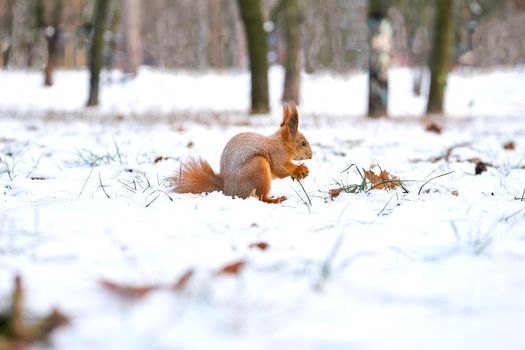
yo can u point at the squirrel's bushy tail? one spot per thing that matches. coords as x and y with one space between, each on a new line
196 176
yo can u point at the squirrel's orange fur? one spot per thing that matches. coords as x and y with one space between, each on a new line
249 162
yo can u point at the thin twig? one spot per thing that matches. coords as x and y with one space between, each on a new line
306 194
433 178
301 198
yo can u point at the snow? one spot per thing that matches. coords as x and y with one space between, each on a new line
384 269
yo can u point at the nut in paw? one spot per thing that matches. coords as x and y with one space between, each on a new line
301 172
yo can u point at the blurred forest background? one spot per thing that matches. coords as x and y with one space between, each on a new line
336 36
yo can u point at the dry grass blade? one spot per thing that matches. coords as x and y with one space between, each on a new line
102 185
522 196
433 178
160 192
85 182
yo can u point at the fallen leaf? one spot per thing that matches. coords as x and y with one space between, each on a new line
183 280
334 193
160 159
19 332
233 268
455 193
127 291
509 146
384 180
190 144
433 127
259 245
480 167
44 327
18 324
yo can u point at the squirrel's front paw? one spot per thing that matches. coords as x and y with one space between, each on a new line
301 172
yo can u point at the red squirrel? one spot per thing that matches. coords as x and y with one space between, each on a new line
249 162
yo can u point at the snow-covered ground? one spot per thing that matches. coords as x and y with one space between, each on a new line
83 199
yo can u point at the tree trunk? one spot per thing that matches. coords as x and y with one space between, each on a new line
252 17
379 39
16 53
97 46
131 35
440 55
293 17
6 43
52 34
214 36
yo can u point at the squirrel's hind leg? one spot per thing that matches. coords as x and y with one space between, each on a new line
260 175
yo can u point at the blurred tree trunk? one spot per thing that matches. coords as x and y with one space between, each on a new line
16 49
97 46
379 39
252 17
52 35
293 17
131 35
440 55
214 35
416 18
6 43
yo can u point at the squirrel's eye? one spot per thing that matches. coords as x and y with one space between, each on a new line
303 143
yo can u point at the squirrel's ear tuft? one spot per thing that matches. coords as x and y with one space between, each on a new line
290 118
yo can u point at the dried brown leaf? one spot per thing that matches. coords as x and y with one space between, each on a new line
334 193
233 268
433 127
455 193
509 146
127 291
18 324
159 159
183 280
44 327
481 167
19 332
259 245
384 180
